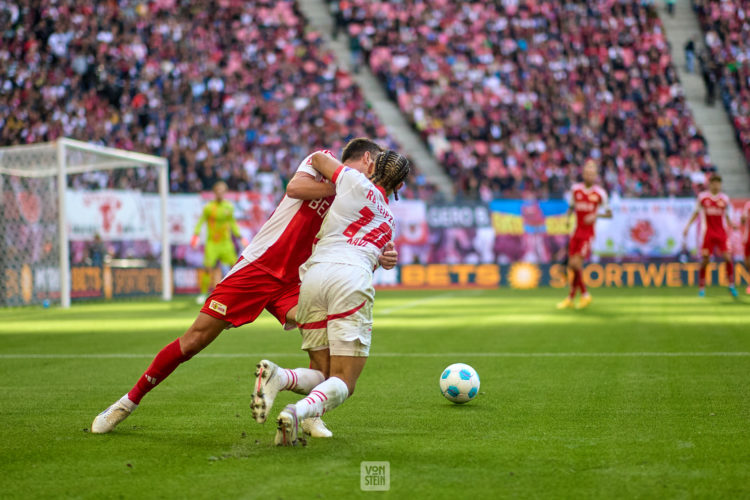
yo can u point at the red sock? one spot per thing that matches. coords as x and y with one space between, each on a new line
574 284
581 284
730 272
163 364
702 276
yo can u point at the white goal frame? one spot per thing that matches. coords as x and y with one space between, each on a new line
99 158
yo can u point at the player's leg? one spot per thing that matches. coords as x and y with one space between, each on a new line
586 299
270 378
349 331
747 264
238 300
575 265
210 261
202 332
729 265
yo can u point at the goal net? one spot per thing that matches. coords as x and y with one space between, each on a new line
81 221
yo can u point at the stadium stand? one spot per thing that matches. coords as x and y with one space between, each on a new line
229 90
726 60
513 96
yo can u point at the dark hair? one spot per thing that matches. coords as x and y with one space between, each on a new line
714 177
356 148
390 170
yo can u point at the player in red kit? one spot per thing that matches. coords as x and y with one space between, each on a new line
745 222
265 277
589 202
713 208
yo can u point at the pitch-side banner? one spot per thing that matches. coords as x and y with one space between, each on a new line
130 215
645 229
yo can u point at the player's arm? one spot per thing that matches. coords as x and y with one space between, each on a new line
324 164
197 232
690 222
389 257
303 186
728 218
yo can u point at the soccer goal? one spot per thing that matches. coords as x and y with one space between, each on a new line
81 220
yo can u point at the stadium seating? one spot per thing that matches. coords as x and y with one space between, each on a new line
513 96
230 90
727 59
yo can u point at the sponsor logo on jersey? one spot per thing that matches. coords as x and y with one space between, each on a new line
594 197
218 307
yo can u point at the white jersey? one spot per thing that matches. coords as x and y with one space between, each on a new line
286 239
358 225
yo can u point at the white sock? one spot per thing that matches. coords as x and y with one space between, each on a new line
324 397
125 400
300 380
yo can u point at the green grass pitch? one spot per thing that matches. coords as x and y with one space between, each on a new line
646 394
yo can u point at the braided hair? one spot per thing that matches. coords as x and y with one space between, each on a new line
390 170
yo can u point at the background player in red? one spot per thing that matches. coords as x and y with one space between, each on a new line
713 208
265 277
586 200
745 223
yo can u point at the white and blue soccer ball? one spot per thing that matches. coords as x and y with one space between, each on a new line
459 383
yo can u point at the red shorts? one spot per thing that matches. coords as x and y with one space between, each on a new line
580 245
747 248
243 294
713 241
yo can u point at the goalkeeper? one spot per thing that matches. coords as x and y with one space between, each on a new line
218 215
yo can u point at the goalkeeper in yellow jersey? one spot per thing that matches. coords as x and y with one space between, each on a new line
218 215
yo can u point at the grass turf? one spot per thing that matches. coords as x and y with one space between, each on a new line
572 403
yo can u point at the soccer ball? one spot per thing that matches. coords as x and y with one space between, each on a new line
459 383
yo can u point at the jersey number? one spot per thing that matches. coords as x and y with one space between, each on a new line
378 236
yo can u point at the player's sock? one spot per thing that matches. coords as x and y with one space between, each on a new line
730 272
581 284
300 380
702 277
205 282
163 364
574 285
324 397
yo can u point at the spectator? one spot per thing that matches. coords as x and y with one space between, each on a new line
512 97
213 86
690 55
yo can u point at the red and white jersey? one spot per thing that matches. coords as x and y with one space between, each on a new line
357 226
586 201
746 214
713 211
286 239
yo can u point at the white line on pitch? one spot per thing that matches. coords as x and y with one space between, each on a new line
740 354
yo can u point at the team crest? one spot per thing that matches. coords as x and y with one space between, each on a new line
218 307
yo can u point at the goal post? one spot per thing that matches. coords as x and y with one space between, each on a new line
34 184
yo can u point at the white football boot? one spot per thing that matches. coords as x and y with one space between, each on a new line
315 427
288 427
267 386
107 420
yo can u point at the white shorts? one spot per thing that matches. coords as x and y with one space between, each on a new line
335 309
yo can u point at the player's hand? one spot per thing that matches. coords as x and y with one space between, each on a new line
194 241
389 258
245 242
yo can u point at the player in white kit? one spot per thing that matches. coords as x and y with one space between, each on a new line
336 296
265 277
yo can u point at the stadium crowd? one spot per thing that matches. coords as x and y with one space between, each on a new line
513 96
226 90
726 60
